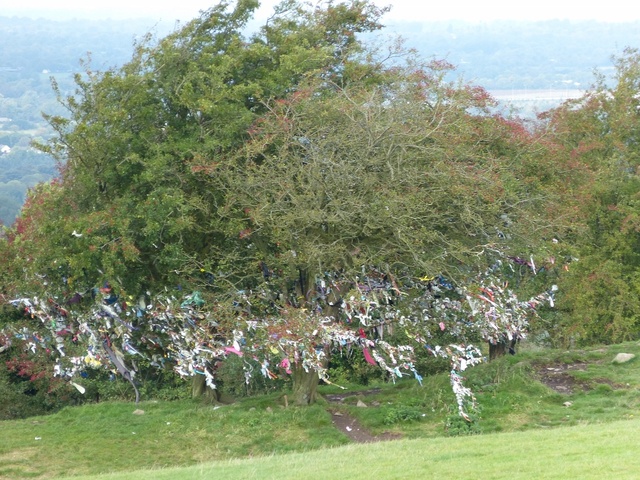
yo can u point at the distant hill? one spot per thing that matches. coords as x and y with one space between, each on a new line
31 52
30 46
554 54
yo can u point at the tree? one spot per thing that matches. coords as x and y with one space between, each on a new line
410 175
134 210
133 134
301 182
600 131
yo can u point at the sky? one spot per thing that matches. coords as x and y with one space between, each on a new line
416 10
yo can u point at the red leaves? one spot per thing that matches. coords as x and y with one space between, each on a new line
26 368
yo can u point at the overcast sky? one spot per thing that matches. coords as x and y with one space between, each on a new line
420 10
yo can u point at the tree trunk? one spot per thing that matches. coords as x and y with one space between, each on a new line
302 286
305 386
501 348
199 389
497 350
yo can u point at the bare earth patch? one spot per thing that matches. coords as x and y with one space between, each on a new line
349 425
558 377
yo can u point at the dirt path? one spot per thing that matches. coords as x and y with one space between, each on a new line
349 425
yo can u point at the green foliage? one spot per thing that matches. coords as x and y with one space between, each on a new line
601 302
368 186
599 293
350 367
178 161
139 141
233 381
254 168
401 413
27 387
13 401
456 426
104 385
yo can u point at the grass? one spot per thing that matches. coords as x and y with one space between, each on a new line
584 452
518 415
109 437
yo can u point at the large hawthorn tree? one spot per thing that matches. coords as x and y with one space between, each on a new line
284 174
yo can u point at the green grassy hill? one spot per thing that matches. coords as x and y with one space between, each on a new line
581 452
583 427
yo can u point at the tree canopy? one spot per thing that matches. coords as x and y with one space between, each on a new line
599 134
316 192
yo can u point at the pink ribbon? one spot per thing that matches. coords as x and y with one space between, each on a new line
368 357
232 350
286 364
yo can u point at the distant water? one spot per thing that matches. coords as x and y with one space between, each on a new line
530 102
557 95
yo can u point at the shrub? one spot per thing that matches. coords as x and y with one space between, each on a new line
456 426
402 413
